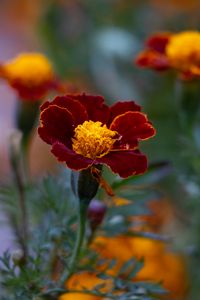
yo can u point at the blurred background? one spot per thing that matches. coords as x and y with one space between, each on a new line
92 45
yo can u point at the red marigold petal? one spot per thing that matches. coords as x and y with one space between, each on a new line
73 160
159 41
45 105
96 108
57 124
31 93
153 60
125 163
132 126
77 110
120 108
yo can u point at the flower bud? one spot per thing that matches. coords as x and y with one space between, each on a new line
26 116
17 257
96 212
84 185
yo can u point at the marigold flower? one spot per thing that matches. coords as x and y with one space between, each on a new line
160 264
31 74
85 132
180 52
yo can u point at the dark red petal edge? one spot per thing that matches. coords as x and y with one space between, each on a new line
132 126
121 107
77 110
125 163
96 108
73 160
56 125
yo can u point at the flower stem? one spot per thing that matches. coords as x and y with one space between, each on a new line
22 205
78 244
25 161
15 150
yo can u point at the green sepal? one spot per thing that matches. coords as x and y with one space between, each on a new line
26 115
84 185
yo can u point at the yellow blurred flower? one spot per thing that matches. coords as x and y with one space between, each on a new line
183 51
30 68
31 74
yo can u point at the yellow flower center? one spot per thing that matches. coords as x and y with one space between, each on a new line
183 51
92 139
31 69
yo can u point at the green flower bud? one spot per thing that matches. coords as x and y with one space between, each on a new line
84 185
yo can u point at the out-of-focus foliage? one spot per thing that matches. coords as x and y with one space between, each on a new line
51 210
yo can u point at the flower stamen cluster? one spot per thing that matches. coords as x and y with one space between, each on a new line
93 139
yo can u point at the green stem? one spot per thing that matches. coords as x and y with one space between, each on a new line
187 95
25 160
78 244
26 115
23 209
15 150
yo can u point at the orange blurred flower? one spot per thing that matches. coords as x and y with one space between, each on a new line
180 52
85 280
31 74
161 212
160 264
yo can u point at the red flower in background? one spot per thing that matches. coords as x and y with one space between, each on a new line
154 56
180 51
85 132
